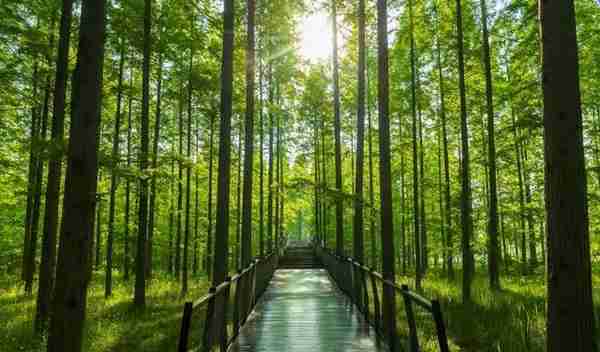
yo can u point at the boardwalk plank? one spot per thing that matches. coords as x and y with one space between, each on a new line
302 310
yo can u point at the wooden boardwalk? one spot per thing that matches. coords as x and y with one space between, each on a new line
303 311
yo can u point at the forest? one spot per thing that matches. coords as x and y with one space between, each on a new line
151 148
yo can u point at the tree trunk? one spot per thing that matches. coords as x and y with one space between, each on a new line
179 191
48 257
358 251
113 179
221 268
140 263
466 199
385 181
339 206
209 236
128 185
188 174
449 257
493 249
66 325
270 176
570 317
29 261
249 139
153 190
261 201
415 158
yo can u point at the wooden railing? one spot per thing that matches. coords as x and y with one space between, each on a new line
220 314
353 277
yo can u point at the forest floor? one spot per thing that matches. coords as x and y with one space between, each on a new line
510 320
111 325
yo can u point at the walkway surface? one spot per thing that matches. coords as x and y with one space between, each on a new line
303 311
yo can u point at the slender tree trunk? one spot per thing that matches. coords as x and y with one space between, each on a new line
385 181
188 174
113 178
128 185
196 205
529 212
415 159
371 186
37 187
270 176
358 251
570 314
493 249
261 201
179 193
152 210
48 258
249 140
171 212
466 198
66 325
339 206
220 268
209 236
29 261
238 213
140 263
448 245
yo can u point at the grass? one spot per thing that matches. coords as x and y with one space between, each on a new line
112 324
509 320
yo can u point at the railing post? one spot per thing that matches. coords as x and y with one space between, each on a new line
439 325
207 339
224 341
376 307
410 317
237 304
185 327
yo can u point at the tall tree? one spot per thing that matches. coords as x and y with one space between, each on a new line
188 169
570 314
415 159
221 267
153 190
493 249
385 179
113 179
360 137
249 138
465 196
68 313
48 259
139 298
339 206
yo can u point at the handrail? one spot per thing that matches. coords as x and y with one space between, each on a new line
248 284
353 283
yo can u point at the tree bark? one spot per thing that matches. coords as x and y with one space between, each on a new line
570 318
493 249
48 258
339 206
66 325
249 139
113 179
466 198
385 181
140 263
221 267
358 251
